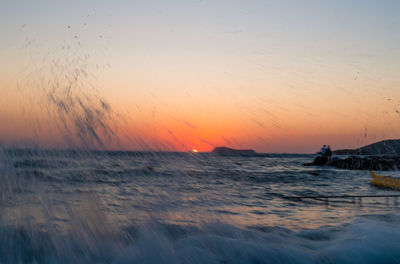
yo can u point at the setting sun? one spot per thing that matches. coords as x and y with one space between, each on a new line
194 150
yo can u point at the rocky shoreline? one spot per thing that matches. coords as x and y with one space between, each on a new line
382 163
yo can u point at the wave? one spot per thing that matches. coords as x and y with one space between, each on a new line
367 240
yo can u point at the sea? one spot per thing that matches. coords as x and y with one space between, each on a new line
75 206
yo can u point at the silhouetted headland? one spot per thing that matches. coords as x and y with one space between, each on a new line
384 147
230 151
382 155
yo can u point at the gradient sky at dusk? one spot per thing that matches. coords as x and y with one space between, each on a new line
276 76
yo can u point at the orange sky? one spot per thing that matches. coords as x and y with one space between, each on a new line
201 75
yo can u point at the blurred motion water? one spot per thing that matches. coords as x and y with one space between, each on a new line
79 78
76 206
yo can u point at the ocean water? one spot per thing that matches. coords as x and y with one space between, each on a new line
157 207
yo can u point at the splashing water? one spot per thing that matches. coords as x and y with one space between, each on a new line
88 205
64 87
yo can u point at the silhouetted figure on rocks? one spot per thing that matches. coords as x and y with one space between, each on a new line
328 152
323 158
323 150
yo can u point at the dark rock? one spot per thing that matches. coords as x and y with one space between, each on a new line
321 160
359 163
318 161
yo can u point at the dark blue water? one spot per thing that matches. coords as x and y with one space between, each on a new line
135 207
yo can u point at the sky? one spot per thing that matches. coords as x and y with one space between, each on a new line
274 76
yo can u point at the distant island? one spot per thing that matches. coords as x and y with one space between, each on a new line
230 151
384 147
